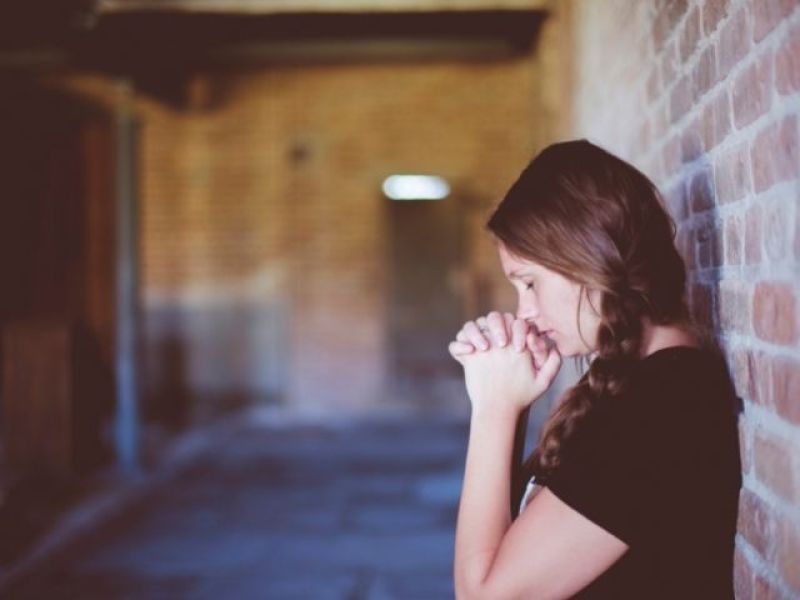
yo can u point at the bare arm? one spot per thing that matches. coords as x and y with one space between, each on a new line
550 551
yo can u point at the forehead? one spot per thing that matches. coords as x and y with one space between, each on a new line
514 265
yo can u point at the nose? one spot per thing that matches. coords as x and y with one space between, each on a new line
527 307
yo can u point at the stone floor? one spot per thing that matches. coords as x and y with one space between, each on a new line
357 509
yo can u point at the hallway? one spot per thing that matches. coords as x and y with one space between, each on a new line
356 509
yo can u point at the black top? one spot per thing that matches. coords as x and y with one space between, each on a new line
659 468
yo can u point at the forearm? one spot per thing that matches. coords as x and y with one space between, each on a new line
484 513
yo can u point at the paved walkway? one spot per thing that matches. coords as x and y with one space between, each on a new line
354 510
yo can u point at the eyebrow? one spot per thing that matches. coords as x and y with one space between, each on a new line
518 274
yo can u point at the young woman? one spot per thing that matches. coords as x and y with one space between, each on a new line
636 476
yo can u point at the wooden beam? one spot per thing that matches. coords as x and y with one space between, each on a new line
263 7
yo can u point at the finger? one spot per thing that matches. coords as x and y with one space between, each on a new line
550 367
483 326
519 330
475 336
509 321
461 336
497 328
537 352
459 349
462 347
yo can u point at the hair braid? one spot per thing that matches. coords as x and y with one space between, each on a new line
619 342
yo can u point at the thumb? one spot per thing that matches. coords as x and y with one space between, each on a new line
550 368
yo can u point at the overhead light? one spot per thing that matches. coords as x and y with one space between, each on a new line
415 187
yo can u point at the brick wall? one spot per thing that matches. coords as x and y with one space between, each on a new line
264 232
704 96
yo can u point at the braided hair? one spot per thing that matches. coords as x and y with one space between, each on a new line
580 211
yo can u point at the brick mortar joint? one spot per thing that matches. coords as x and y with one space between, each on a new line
761 566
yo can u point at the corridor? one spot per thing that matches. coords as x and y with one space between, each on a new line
284 508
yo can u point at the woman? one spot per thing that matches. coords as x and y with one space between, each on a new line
635 479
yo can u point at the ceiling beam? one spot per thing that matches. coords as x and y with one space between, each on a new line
264 7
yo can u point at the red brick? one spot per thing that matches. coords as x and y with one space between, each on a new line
680 100
713 12
768 13
734 41
722 117
707 126
765 589
745 446
734 315
774 312
785 393
776 223
788 558
706 71
701 304
752 91
751 374
692 142
669 65
661 29
732 174
755 522
742 576
653 85
672 155
772 458
675 200
675 9
752 235
661 121
690 34
775 154
787 63
709 251
701 190
734 234
740 370
645 137
684 241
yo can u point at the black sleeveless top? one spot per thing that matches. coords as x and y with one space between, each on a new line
659 468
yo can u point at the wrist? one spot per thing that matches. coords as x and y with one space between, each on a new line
496 414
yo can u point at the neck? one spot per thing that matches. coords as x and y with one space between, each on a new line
658 337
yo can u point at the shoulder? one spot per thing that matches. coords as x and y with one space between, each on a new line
686 376
663 390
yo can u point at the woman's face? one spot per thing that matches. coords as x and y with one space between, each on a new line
549 301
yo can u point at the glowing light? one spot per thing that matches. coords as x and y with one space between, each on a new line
415 187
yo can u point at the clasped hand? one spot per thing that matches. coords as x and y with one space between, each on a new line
507 365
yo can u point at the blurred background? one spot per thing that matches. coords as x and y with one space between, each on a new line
204 276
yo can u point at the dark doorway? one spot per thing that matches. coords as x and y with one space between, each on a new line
426 265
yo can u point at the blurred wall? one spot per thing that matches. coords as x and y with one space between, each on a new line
267 267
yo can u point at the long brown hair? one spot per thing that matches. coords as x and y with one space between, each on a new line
590 216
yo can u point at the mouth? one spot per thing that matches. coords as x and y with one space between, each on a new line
546 333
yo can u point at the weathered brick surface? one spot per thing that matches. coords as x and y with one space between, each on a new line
726 73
